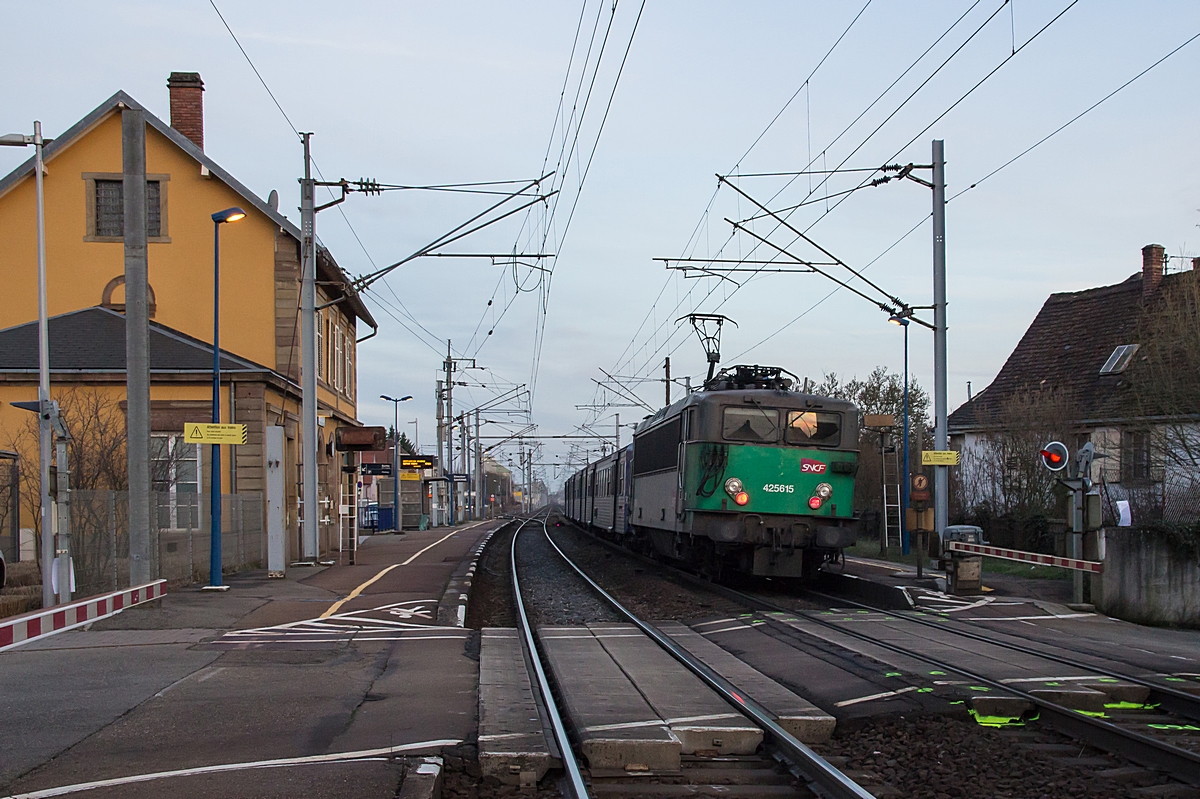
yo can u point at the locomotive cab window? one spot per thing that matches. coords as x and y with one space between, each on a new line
760 425
814 427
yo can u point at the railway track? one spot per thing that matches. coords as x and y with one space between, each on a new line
788 767
1160 732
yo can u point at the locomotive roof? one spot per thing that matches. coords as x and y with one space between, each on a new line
769 398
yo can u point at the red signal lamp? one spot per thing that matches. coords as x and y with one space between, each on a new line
741 497
814 503
1054 456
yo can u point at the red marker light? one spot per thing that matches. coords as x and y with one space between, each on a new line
814 503
741 498
1053 457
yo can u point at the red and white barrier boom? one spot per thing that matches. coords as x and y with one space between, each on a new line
17 630
1095 567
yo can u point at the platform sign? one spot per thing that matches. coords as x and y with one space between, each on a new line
416 462
939 457
377 469
205 433
409 474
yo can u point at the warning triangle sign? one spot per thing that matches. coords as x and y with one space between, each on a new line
193 432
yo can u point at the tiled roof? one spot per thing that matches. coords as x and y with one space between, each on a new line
93 340
1063 350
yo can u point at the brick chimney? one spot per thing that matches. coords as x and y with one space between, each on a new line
1152 269
187 106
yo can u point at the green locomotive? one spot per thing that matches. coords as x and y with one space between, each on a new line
747 475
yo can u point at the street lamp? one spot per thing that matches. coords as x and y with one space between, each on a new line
214 553
902 321
395 457
44 431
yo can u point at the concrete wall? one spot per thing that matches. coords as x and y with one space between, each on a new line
1145 582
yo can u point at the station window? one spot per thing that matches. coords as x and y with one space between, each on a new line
818 428
106 207
756 424
175 472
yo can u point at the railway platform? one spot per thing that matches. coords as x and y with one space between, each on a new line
339 680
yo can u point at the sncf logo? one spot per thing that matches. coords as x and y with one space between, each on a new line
809 466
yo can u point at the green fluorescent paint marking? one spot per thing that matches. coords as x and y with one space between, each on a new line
1093 713
924 690
983 688
1182 727
1107 679
1127 706
1052 683
862 611
995 721
1175 679
956 702
892 674
938 673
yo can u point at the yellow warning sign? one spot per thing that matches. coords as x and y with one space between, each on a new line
206 433
939 457
408 474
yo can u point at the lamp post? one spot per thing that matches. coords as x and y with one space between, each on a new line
395 457
44 432
902 321
214 552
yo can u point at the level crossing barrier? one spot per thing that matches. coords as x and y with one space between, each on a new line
1095 567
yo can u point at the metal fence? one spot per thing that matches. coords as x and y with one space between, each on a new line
179 541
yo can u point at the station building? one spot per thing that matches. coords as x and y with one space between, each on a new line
259 303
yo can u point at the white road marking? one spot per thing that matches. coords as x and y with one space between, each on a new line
363 754
872 697
1032 618
727 629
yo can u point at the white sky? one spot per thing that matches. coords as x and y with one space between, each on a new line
452 92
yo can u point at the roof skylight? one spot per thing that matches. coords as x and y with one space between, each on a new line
1119 360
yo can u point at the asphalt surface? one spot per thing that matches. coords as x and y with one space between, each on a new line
231 688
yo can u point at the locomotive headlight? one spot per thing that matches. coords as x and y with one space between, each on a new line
824 491
733 487
741 497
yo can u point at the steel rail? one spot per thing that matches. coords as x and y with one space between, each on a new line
1178 702
574 776
821 776
1181 764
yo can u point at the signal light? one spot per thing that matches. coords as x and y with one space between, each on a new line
814 503
741 498
1055 456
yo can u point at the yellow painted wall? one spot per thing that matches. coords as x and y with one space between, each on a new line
181 271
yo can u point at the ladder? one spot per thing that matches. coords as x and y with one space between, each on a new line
891 495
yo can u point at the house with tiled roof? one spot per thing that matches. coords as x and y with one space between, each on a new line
1083 362
259 307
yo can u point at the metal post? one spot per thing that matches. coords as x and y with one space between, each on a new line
941 439
308 359
667 379
618 426
466 469
396 466
44 431
904 477
62 540
214 512
1077 500
440 433
448 467
479 486
137 332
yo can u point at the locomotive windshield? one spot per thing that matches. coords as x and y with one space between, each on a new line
760 425
814 427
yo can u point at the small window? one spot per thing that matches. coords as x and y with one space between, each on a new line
1119 360
1136 464
175 471
751 424
110 209
814 427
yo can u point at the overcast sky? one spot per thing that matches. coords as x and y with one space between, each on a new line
427 93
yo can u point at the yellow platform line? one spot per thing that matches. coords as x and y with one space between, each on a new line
336 606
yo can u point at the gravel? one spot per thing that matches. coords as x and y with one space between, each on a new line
491 597
938 757
554 594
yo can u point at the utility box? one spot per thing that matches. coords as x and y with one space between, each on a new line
964 572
